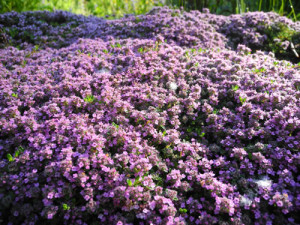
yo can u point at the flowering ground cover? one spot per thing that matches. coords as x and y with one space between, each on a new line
166 118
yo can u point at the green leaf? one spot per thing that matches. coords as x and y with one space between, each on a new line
162 127
182 210
136 181
14 95
9 157
259 70
235 87
141 50
118 45
250 155
89 99
24 62
66 207
129 182
21 149
115 125
201 50
242 100
17 153
186 54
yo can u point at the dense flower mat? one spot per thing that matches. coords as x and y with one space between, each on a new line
162 118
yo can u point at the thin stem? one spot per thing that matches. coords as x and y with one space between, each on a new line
293 11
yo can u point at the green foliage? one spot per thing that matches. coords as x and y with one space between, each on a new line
235 87
250 155
258 71
102 8
117 8
202 134
116 45
36 48
277 36
129 182
183 210
187 55
13 32
115 125
89 99
164 133
226 7
66 207
156 46
242 100
75 6
293 10
137 181
141 50
240 7
158 179
19 151
281 31
9 157
18 5
16 155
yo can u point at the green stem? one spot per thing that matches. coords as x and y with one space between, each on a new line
293 11
281 10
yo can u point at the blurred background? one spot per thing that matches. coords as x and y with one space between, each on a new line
117 8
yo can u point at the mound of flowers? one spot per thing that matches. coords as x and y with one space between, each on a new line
157 119
256 30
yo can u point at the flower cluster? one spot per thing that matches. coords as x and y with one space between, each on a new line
150 119
257 30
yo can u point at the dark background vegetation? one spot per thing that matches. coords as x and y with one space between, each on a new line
117 8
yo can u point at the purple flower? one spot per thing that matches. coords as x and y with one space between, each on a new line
171 117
